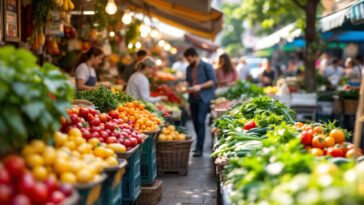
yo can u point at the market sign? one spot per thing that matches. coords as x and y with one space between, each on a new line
356 13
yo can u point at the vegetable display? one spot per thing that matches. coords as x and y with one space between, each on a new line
103 98
32 98
243 88
164 90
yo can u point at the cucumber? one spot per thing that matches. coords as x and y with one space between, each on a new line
339 160
258 130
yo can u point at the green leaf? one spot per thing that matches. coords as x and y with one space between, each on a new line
33 110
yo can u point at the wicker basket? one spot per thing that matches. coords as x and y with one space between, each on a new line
350 107
173 156
83 103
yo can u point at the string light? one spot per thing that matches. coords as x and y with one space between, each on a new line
167 47
111 7
138 45
127 18
161 43
112 34
158 62
144 30
130 45
174 51
154 33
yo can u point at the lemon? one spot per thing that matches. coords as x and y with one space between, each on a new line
109 152
74 133
68 178
117 148
61 166
34 160
40 173
70 145
49 156
85 175
38 146
60 139
169 138
28 150
74 166
100 152
162 137
112 161
98 167
79 141
84 149
94 142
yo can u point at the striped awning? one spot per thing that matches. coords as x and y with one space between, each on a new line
333 20
356 13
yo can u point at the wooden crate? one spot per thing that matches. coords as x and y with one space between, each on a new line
151 195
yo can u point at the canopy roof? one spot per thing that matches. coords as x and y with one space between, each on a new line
195 17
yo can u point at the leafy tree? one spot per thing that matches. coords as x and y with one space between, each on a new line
272 13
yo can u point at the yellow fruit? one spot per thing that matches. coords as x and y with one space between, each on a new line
79 141
100 152
68 178
74 166
98 166
94 142
71 5
172 128
49 156
169 138
60 139
40 173
117 148
112 161
34 160
85 175
84 149
70 145
38 146
109 152
61 166
74 133
182 137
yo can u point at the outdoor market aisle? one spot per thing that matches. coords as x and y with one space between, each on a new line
199 186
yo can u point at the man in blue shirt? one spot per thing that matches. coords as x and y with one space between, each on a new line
201 80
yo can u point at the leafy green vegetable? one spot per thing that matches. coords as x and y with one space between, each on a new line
267 119
103 98
349 95
240 88
32 98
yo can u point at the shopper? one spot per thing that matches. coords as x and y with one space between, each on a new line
85 68
180 67
201 78
292 69
243 69
130 69
353 72
138 85
334 73
226 73
268 75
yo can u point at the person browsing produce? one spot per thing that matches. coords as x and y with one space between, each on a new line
85 68
138 85
226 73
201 78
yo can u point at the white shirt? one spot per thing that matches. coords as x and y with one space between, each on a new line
334 74
138 87
83 72
243 71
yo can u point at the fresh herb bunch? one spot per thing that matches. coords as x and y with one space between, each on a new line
325 96
349 95
267 119
32 98
240 88
266 105
103 98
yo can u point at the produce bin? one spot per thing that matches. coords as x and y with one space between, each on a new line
173 156
111 188
148 161
151 195
90 194
131 185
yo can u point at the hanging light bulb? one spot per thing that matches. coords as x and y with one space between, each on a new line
154 33
158 62
167 47
111 7
138 45
112 34
144 30
130 45
161 43
127 18
174 51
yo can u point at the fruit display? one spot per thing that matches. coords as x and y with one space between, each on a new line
164 76
169 110
108 128
170 133
164 90
18 186
72 160
135 114
321 140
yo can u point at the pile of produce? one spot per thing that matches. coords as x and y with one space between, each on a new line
32 98
267 158
170 133
168 109
164 76
164 90
18 186
136 115
242 88
109 128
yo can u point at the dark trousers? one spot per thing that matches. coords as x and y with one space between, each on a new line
199 110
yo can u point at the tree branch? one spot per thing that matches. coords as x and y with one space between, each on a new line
299 4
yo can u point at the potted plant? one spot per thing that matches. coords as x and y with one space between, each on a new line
350 99
325 102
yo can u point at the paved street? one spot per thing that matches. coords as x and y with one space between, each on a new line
198 187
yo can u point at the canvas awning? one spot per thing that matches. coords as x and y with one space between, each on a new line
356 13
197 18
200 43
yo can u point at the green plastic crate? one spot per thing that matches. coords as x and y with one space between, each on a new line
112 186
148 162
90 194
131 185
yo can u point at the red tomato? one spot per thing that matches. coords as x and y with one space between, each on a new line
111 140
316 152
104 134
103 117
15 165
306 137
39 193
318 142
75 119
66 189
95 122
57 197
335 152
21 199
110 126
86 134
317 130
89 117
63 121
338 135
298 124
26 183
329 141
52 184
127 143
114 114
5 194
95 135
134 141
4 176
83 112
249 125
351 153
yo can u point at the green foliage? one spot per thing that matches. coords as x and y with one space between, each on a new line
243 88
32 98
132 34
349 95
103 19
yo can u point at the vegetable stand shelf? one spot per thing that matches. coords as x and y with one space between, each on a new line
90 194
148 161
111 188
